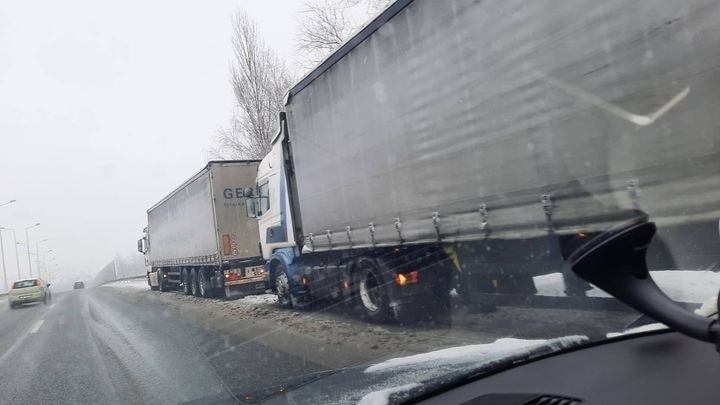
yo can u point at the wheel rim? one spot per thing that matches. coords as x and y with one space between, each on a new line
282 285
186 281
202 284
369 294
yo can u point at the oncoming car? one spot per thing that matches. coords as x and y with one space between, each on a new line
26 291
78 285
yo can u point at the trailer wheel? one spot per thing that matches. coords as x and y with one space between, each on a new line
282 286
187 288
203 282
161 284
372 293
194 282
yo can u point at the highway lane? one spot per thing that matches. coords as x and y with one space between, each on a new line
96 346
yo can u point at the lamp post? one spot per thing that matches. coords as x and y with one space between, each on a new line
2 250
37 254
27 239
44 264
2 253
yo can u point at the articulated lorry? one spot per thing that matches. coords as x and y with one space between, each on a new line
475 145
199 238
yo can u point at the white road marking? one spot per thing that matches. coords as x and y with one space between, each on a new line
37 326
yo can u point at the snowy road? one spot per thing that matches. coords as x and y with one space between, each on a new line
122 343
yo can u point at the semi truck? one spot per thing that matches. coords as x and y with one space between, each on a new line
475 145
198 238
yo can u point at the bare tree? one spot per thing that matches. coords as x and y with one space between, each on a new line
324 25
260 80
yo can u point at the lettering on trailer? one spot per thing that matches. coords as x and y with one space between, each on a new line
234 197
229 193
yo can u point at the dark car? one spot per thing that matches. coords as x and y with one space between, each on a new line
78 285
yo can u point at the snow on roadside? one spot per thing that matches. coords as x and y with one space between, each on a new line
262 299
473 354
135 284
382 397
551 285
693 286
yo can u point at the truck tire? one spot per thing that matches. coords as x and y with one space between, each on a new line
187 288
203 282
373 297
161 284
282 286
194 282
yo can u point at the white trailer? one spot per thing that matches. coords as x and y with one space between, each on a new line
198 238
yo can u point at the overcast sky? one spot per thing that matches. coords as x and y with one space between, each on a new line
105 107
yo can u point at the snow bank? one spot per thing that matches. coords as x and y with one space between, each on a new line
551 285
135 283
692 286
473 354
382 397
262 299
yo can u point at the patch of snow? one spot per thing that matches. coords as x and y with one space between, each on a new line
382 397
262 299
596 292
135 283
473 354
692 286
551 285
644 328
454 293
708 308
688 285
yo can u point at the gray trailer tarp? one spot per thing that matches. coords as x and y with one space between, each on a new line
461 120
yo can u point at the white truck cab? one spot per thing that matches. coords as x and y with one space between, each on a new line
271 203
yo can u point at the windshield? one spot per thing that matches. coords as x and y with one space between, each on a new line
26 283
340 201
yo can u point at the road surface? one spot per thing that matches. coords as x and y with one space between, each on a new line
132 345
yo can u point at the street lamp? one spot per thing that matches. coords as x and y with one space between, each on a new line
2 250
18 257
37 254
27 239
2 253
15 242
44 263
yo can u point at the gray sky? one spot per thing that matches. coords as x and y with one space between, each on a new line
105 107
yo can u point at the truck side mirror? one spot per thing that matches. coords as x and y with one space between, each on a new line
251 207
140 246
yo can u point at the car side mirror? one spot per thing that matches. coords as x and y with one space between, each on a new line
615 262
